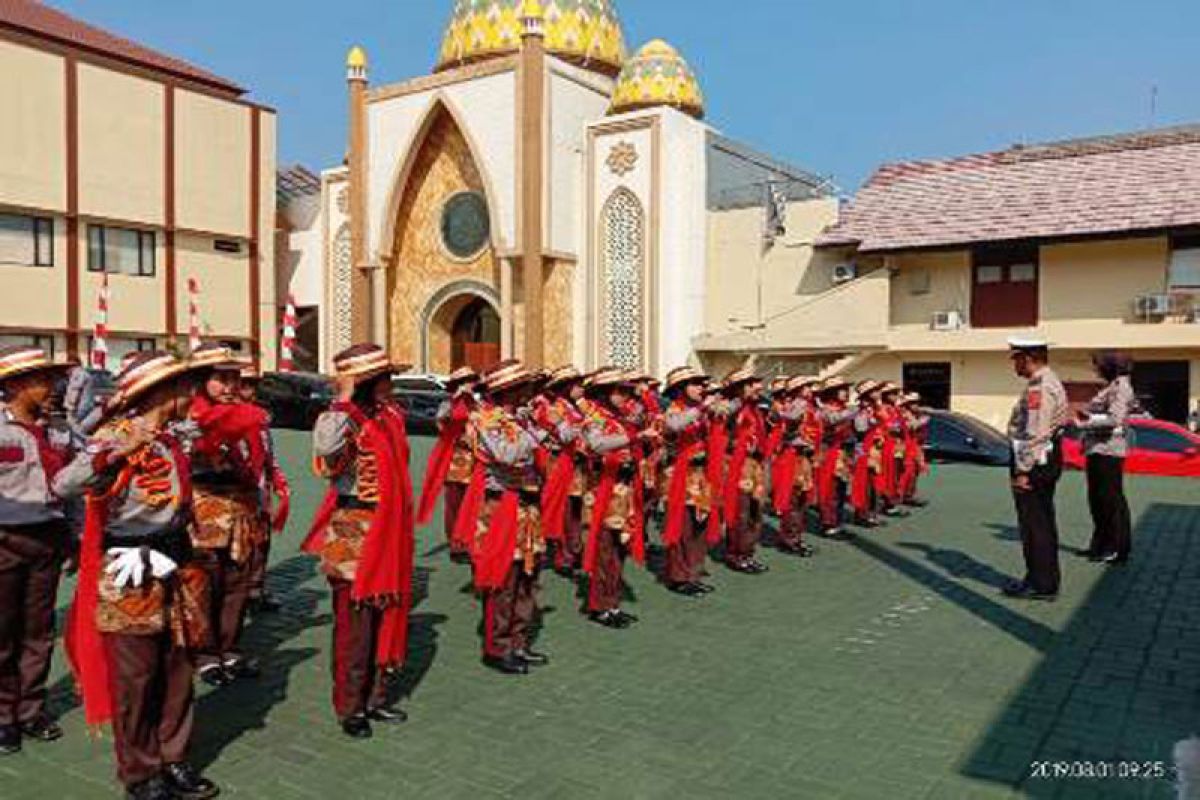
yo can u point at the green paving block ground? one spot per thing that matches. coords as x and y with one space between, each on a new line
887 667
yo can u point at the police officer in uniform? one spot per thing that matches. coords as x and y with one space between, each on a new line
1035 429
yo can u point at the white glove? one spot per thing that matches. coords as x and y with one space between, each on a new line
128 567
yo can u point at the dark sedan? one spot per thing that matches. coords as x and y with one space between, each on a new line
421 396
958 437
295 399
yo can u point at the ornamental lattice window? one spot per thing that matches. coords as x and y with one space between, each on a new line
624 247
343 305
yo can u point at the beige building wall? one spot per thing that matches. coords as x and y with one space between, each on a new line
739 264
928 283
121 146
269 314
33 163
224 296
35 297
1099 280
212 165
136 303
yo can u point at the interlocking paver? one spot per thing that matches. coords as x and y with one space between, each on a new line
886 667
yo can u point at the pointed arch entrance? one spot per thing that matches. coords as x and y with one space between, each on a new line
461 327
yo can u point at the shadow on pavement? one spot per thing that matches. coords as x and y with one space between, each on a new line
1121 683
958 564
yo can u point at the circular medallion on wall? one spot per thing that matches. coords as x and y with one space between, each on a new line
466 227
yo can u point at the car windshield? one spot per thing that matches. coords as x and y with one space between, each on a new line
1160 439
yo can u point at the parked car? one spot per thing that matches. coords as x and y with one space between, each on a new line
959 437
1155 448
421 396
295 399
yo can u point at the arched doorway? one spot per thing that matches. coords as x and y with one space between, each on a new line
475 336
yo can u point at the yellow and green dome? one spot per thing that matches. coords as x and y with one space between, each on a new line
658 76
585 32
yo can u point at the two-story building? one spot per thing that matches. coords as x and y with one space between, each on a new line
1090 243
117 159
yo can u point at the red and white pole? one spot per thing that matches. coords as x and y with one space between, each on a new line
99 359
194 340
287 343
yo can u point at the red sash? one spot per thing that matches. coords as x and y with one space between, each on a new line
439 463
556 495
493 558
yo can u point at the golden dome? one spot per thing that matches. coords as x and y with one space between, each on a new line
658 76
356 58
585 32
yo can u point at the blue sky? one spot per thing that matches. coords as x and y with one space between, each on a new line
836 86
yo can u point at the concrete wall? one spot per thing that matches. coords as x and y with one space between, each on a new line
121 146
573 102
33 164
212 165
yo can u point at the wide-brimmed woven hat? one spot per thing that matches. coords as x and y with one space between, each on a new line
460 376
24 360
610 376
739 377
867 387
563 376
145 371
506 375
890 388
247 369
684 375
911 398
799 382
778 383
833 384
362 362
215 356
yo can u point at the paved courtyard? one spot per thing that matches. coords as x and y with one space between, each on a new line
887 667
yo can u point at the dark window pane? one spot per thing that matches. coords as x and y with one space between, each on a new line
95 248
1160 440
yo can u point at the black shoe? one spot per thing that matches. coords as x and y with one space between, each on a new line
704 588
867 522
609 619
388 715
242 667
532 657
185 781
756 567
41 728
1020 590
833 533
806 551
685 589
916 502
10 740
508 665
215 675
357 727
894 511
626 617
153 789
265 603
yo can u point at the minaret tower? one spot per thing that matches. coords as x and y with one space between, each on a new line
361 300
533 153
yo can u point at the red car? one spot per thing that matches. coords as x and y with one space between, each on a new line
1155 448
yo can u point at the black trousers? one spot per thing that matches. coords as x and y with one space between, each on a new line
1039 524
1111 524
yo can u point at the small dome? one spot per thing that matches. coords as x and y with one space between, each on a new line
658 76
584 32
356 58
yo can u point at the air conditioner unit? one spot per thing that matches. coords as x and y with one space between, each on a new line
1153 305
844 273
946 321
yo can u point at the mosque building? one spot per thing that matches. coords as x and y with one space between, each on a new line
543 194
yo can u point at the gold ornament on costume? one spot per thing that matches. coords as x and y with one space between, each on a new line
622 159
658 76
585 32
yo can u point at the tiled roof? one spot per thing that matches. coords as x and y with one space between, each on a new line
1083 187
40 20
294 182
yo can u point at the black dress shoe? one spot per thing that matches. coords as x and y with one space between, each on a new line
10 740
242 667
806 551
685 589
756 567
609 619
916 502
895 511
388 715
185 781
357 727
867 522
153 789
1020 590
507 665
625 617
41 728
532 657
704 588
215 675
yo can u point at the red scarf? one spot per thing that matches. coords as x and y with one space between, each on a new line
441 458
83 640
604 493
677 494
718 444
749 431
384 577
493 557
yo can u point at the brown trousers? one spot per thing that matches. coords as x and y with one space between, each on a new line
229 584
259 560
685 561
509 612
604 589
30 563
569 552
359 685
744 529
151 684
453 494
793 523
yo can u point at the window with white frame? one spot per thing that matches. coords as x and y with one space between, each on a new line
121 251
26 241
623 250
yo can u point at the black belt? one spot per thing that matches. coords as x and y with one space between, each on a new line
176 544
348 503
527 497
